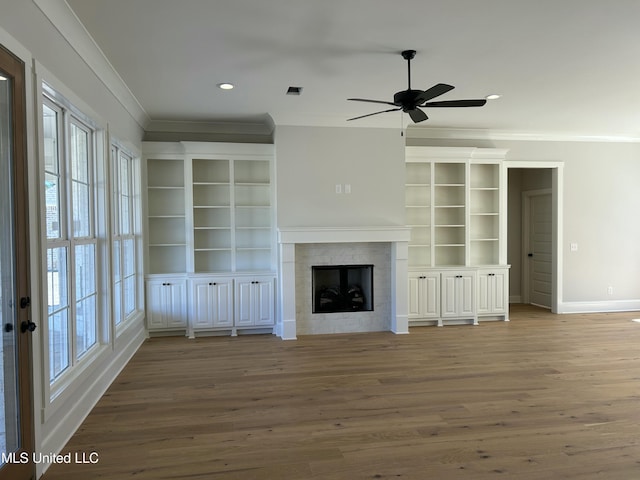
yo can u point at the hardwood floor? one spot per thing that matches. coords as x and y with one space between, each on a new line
541 397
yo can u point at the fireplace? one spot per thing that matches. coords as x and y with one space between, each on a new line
342 288
302 248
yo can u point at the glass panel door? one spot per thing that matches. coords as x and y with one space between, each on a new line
15 415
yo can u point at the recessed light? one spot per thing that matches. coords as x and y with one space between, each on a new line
225 86
493 96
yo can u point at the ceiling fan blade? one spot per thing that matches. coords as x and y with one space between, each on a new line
456 103
417 115
371 101
433 92
376 113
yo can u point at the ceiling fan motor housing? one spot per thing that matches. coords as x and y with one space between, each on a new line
407 99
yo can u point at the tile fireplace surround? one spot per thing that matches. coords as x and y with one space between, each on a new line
301 247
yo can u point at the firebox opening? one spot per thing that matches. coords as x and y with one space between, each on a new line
342 288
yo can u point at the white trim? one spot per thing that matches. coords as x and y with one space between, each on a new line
456 154
69 423
343 234
600 306
68 24
506 135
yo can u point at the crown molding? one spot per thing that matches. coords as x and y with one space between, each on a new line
256 127
71 28
507 135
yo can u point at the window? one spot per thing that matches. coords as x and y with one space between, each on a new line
71 241
125 296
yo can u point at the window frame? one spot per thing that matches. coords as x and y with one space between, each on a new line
68 118
121 316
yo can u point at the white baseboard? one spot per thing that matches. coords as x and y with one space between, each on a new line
600 307
82 405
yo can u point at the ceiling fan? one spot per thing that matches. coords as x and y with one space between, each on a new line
409 100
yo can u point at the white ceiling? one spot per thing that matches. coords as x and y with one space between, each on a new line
561 66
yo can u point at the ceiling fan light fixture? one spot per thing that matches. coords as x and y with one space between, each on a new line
225 86
493 96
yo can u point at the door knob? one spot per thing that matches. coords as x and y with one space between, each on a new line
27 326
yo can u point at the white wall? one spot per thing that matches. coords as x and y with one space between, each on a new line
310 161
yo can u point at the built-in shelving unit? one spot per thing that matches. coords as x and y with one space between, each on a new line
418 212
449 213
166 214
484 214
453 209
210 217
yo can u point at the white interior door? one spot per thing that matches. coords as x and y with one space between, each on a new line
538 248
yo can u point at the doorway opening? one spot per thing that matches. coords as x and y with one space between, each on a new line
534 232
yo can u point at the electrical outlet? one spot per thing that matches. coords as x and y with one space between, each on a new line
338 188
347 188
609 290
574 247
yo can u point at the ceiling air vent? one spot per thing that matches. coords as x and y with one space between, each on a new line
294 91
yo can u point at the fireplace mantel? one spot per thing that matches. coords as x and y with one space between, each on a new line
343 234
396 236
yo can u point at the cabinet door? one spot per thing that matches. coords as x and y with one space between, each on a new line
492 292
500 296
166 304
485 293
221 299
465 295
449 298
458 294
155 308
175 301
243 316
424 295
202 308
415 297
254 302
264 302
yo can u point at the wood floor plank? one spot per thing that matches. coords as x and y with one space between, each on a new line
540 397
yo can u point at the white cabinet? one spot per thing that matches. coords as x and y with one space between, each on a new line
492 297
458 301
424 296
455 205
210 218
254 302
211 304
166 304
